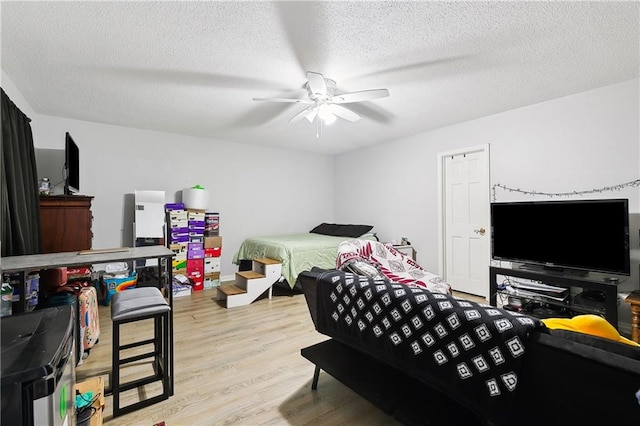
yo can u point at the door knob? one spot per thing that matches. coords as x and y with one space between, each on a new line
480 231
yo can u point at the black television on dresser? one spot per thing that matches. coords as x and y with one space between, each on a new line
71 166
574 235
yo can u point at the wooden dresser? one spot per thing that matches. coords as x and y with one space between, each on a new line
634 300
65 222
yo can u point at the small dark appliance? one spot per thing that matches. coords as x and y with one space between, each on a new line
38 368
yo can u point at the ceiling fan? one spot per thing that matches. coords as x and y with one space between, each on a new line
325 104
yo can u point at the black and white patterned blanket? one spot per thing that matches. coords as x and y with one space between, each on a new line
470 351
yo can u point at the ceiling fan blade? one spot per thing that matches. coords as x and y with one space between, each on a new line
343 112
439 63
364 95
303 114
300 101
305 36
317 85
311 115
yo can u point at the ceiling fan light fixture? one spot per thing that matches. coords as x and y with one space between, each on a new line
329 119
325 114
326 109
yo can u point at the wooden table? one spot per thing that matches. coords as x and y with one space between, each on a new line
35 262
634 300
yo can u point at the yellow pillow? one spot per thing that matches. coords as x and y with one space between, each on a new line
589 324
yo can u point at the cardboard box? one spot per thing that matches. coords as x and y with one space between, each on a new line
178 215
197 279
211 264
174 207
180 290
179 237
195 265
213 252
96 386
195 254
178 248
112 285
212 224
211 280
179 264
179 224
197 215
213 242
80 273
196 246
213 275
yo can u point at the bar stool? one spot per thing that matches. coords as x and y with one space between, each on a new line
138 304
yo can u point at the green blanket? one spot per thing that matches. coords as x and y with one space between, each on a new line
296 252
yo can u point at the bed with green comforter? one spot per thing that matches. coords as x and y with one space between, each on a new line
296 252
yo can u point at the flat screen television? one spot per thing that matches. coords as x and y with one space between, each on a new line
578 235
71 166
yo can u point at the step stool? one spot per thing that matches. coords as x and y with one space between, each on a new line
250 284
139 304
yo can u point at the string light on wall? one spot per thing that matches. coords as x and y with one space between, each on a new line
631 184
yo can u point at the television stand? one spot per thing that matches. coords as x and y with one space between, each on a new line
591 284
553 270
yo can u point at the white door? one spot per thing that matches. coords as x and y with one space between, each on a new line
465 227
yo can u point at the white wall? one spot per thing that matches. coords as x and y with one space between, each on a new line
257 190
585 141
581 142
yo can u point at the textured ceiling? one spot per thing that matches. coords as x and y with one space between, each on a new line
193 67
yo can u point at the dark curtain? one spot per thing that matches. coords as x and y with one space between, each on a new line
20 198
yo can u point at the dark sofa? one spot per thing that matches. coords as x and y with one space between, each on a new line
565 378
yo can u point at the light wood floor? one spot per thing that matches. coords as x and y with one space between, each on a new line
239 366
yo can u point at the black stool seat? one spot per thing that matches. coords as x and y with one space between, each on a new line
138 304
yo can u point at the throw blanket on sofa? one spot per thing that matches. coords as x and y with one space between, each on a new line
470 351
376 260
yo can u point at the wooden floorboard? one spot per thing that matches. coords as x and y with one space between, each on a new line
239 366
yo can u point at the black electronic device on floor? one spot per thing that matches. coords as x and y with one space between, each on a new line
38 367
